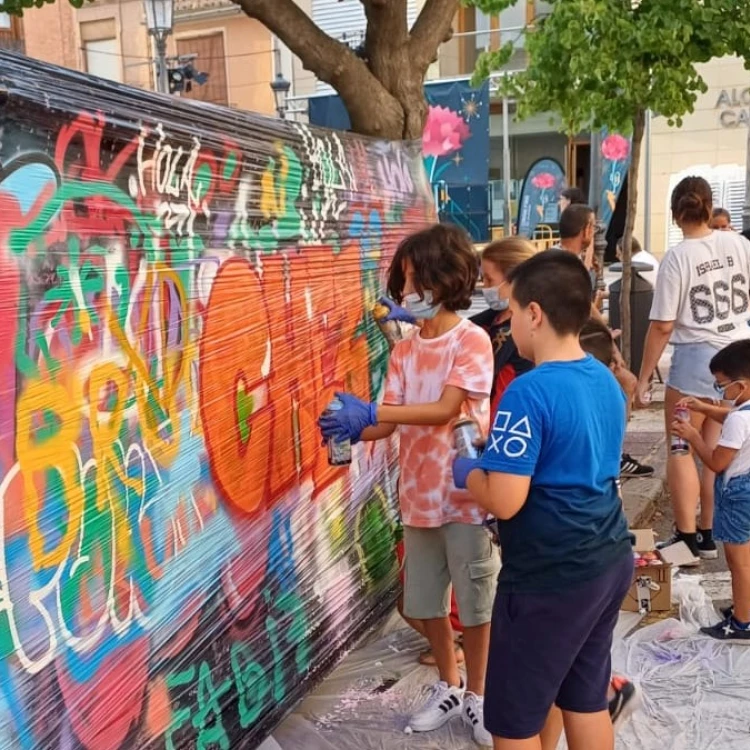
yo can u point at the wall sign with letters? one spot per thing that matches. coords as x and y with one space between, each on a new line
735 107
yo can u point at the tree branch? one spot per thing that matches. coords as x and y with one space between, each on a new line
319 53
387 32
330 60
432 27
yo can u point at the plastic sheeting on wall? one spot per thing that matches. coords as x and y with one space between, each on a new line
182 289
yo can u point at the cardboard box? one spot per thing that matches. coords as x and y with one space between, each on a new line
651 590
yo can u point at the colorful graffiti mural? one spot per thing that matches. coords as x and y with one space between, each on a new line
183 288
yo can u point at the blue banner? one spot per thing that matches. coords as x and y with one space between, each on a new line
615 161
328 112
540 196
456 138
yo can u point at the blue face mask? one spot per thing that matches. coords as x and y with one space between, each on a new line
422 309
494 300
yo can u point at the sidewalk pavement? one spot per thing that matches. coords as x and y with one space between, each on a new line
646 441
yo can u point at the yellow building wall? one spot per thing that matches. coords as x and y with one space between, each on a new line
53 34
715 134
248 49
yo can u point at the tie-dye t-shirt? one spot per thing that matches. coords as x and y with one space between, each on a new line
418 372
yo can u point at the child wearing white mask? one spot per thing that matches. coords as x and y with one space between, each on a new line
499 259
439 374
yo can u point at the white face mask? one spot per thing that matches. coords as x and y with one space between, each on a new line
494 300
733 402
422 309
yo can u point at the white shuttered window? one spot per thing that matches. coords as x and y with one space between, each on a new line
727 185
345 20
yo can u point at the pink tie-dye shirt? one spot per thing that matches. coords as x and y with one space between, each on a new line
418 372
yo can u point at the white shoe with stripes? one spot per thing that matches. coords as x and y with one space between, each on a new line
473 712
443 703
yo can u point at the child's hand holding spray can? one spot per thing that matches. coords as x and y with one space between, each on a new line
679 446
467 438
468 442
339 451
389 327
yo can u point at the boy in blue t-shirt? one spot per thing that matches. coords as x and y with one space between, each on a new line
549 475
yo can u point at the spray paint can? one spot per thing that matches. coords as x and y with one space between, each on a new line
679 446
339 451
390 328
465 435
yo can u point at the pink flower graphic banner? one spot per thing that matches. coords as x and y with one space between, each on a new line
455 141
615 161
540 195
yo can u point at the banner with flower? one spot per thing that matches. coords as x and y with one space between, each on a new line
455 142
456 138
615 161
540 196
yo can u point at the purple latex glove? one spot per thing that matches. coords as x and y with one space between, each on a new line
462 467
396 312
350 421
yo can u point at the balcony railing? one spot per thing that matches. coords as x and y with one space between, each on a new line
458 56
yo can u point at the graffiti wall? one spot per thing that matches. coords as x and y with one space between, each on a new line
182 289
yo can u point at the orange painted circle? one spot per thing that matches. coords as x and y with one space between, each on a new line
233 353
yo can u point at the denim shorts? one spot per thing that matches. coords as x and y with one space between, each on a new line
689 373
552 648
732 509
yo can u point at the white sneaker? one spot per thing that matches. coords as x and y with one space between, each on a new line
473 713
442 704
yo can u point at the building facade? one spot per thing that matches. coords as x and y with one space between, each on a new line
108 38
712 142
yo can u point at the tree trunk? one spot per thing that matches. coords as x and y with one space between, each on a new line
384 92
639 124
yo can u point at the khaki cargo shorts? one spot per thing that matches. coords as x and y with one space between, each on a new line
460 554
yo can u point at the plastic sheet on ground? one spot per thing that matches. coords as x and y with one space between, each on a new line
366 702
696 691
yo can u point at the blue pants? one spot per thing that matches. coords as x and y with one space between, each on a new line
552 648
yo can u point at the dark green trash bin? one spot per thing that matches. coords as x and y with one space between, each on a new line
641 297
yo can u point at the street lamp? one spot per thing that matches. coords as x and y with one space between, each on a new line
160 22
280 87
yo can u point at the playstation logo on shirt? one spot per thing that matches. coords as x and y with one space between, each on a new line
510 437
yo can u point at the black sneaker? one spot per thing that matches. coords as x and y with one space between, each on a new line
624 702
727 612
632 469
728 631
690 541
706 545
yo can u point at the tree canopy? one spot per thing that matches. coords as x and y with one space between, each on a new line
598 62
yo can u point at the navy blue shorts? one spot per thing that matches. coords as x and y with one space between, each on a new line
552 648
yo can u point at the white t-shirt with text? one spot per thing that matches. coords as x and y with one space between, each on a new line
703 285
735 434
